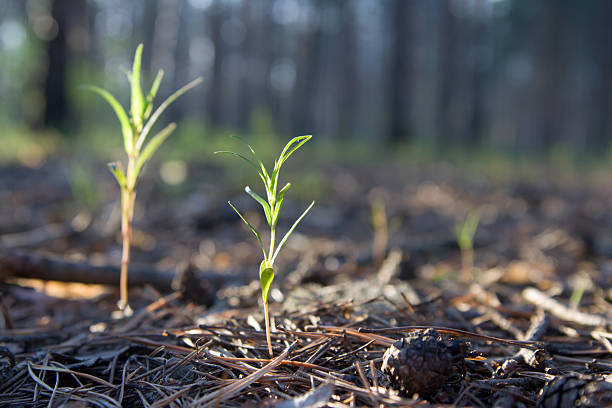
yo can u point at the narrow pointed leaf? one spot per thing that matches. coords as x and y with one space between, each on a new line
266 178
286 152
290 231
138 102
252 229
155 87
266 276
126 128
261 201
116 170
152 146
152 93
279 203
161 108
300 140
246 159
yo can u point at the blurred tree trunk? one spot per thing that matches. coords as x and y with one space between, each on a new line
400 13
603 92
149 16
70 16
478 72
447 72
216 100
348 72
551 72
309 45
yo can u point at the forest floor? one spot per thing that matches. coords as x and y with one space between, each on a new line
375 261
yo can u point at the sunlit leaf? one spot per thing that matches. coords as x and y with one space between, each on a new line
161 108
126 128
138 101
261 201
115 168
286 152
252 229
246 159
263 172
152 147
266 276
152 93
279 203
300 140
290 231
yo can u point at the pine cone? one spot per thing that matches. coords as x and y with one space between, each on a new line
576 391
422 362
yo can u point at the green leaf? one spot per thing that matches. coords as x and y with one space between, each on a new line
252 229
138 102
151 147
246 159
285 153
279 203
152 93
266 276
126 128
261 201
290 231
300 140
465 231
161 108
115 168
263 173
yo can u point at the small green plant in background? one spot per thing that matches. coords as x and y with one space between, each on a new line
465 232
135 128
271 206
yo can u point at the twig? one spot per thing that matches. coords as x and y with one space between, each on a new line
542 300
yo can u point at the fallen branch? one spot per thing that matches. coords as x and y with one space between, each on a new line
32 265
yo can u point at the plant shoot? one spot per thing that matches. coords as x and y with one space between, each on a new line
464 233
271 206
135 127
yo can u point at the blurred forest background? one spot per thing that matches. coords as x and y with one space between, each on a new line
523 77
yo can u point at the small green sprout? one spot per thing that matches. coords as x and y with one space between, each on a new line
135 128
271 207
464 233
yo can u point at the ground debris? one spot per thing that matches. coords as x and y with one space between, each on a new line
537 313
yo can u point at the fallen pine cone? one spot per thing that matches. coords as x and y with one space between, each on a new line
422 362
576 391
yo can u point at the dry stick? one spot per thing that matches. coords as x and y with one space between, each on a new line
542 300
33 265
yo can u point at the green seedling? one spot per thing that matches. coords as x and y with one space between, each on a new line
135 128
271 207
465 233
